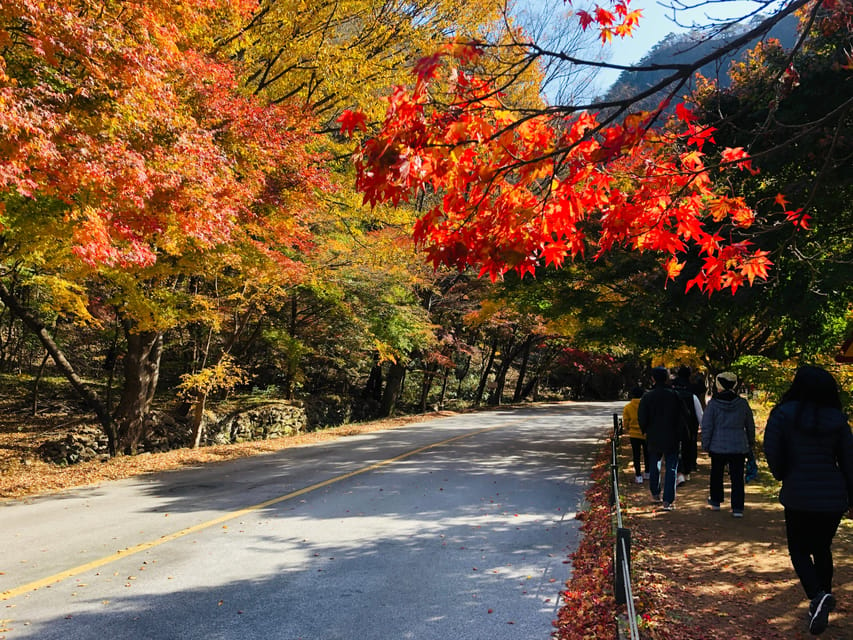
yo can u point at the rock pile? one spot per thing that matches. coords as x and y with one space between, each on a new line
80 444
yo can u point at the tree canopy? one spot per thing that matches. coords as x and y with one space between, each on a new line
177 205
521 187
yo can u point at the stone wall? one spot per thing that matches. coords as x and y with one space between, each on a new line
274 420
260 422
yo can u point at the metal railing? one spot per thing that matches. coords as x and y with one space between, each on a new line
622 548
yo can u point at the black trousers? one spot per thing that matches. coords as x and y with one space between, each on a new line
810 535
640 455
735 462
689 453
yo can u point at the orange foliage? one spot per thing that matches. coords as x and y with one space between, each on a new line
121 111
522 192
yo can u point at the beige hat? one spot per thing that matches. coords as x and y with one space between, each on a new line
726 381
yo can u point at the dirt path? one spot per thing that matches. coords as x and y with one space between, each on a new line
719 577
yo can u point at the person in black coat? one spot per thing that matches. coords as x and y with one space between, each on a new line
692 410
809 447
660 418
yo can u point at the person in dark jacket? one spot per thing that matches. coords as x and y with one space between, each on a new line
728 435
659 415
692 410
809 447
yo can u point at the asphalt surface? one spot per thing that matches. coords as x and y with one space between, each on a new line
458 528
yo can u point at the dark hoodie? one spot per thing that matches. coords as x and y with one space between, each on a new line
659 415
810 449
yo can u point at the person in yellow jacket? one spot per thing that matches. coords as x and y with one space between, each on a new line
631 425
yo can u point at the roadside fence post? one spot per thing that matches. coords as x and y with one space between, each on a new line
623 563
622 590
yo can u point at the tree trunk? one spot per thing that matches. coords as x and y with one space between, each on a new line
484 377
518 395
293 324
5 355
509 353
531 389
90 397
37 382
141 373
393 388
197 424
461 375
443 394
429 375
496 396
373 388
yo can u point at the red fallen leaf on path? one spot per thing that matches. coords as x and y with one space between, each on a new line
491 611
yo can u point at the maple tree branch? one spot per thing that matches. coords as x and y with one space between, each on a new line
681 71
718 26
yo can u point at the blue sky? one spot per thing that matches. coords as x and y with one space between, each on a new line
654 26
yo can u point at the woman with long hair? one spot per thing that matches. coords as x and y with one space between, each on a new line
809 447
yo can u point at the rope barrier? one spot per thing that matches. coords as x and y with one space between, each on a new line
622 548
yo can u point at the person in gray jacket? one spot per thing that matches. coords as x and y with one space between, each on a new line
809 447
728 435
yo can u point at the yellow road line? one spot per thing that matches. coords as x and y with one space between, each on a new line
144 546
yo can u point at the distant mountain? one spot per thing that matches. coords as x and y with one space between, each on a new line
686 47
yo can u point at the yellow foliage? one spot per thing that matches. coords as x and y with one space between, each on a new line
64 297
348 53
224 375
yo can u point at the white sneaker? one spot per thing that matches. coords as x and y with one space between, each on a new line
638 479
680 479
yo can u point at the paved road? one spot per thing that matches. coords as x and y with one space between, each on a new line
453 529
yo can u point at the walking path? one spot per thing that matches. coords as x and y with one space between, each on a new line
712 576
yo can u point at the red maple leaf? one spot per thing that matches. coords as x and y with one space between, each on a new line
426 68
684 114
756 265
799 218
351 120
585 19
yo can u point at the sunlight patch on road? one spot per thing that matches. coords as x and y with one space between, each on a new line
231 515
